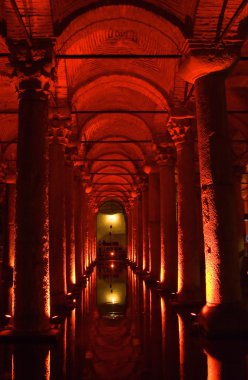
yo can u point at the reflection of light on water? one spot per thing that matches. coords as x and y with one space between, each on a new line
47 365
112 265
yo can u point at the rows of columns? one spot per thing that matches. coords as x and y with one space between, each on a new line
40 276
51 233
178 242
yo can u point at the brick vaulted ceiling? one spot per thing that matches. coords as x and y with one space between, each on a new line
88 27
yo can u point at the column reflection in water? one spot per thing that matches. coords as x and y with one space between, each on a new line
58 355
192 360
226 360
170 339
6 358
70 346
31 361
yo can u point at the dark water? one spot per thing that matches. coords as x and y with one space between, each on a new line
120 330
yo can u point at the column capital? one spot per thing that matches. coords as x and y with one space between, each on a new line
59 130
180 128
33 66
166 155
199 62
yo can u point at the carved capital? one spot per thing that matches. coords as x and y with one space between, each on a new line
33 67
201 62
180 129
59 131
166 155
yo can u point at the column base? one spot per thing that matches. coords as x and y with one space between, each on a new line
14 336
224 320
189 298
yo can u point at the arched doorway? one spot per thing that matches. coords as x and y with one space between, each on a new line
111 231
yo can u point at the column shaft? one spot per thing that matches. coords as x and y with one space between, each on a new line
154 224
168 274
57 225
70 228
145 241
223 292
31 289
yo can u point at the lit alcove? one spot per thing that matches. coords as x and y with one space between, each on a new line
111 231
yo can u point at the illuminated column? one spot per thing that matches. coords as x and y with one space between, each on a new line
238 171
139 232
223 311
70 226
31 272
180 129
57 215
3 242
145 241
134 232
228 363
129 234
11 240
78 220
168 222
84 226
154 222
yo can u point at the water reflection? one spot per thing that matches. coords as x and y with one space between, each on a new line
123 330
111 288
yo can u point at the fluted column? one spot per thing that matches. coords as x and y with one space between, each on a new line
57 241
168 222
31 272
154 222
180 129
223 311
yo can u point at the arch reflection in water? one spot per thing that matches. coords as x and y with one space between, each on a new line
111 288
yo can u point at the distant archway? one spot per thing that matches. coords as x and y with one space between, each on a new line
111 231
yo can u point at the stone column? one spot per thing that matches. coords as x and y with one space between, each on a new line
154 222
3 243
168 221
145 240
134 232
180 129
57 215
223 312
129 233
238 170
31 272
11 189
139 231
70 226
78 226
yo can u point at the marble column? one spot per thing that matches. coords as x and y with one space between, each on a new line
139 231
154 222
31 272
11 190
181 132
78 226
70 226
145 240
223 312
57 242
168 221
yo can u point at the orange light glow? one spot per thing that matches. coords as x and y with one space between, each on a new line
112 265
112 253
